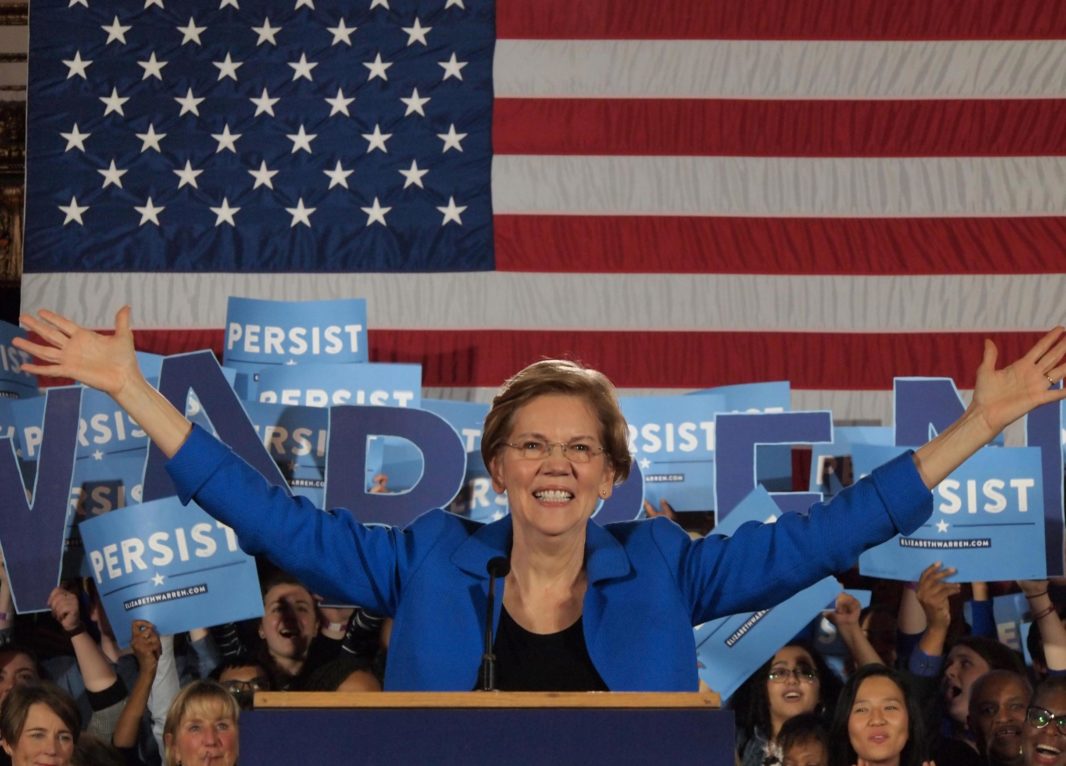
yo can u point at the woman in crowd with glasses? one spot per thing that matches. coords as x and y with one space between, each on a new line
1044 732
583 606
794 682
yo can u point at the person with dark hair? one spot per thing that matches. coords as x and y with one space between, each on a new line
242 676
18 665
39 723
804 741
998 700
877 721
795 681
1044 733
582 607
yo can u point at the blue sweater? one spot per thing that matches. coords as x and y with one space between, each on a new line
648 581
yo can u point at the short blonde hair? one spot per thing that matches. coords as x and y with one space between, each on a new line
560 376
193 697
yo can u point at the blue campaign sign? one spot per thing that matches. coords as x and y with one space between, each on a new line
321 385
730 649
293 435
346 462
103 426
467 418
477 499
831 468
1043 429
262 333
100 485
672 439
924 407
171 564
31 535
739 438
987 520
1010 613
14 383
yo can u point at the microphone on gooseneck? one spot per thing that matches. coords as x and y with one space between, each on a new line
497 567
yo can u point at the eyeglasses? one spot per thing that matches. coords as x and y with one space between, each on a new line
802 673
1040 718
237 688
576 452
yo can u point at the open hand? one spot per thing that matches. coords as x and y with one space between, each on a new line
1003 396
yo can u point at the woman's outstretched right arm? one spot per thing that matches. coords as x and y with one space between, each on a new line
107 363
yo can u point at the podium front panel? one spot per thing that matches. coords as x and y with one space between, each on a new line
512 736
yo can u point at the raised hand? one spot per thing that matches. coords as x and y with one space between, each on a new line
105 362
1003 396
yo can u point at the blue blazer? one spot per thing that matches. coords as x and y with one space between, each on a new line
648 581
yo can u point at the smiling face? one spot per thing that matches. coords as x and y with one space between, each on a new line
997 716
552 497
290 621
206 736
792 694
1046 746
878 722
962 667
45 739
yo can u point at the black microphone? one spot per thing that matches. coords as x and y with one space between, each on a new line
497 567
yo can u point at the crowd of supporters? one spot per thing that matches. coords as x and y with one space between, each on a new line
906 680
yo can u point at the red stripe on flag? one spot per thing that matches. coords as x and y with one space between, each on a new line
781 19
809 128
837 246
687 360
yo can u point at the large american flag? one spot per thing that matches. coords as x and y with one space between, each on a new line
682 193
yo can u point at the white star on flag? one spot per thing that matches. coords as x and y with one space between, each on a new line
149 212
455 3
188 176
374 214
304 4
264 104
190 32
301 140
263 176
77 66
226 140
116 32
451 139
416 33
415 103
300 214
114 102
189 103
338 176
74 210
377 68
451 212
75 138
452 68
302 68
225 213
227 67
342 33
153 67
266 33
151 139
413 175
231 3
112 175
339 103
379 4
377 140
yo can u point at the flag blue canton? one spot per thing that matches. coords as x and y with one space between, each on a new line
259 136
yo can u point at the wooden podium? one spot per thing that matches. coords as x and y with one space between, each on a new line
506 728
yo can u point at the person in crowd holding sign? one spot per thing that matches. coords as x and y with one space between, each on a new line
583 607
40 724
877 721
